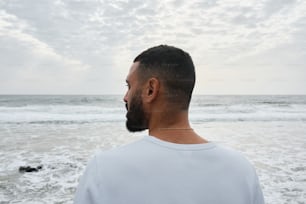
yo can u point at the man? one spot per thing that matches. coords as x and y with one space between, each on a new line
172 164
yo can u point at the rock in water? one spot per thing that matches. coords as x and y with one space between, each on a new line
23 169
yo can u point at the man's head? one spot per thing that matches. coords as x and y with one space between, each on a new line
163 73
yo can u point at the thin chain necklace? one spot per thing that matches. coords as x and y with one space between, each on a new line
175 129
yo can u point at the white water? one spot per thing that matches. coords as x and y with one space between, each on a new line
61 133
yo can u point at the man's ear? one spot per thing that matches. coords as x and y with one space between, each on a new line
152 89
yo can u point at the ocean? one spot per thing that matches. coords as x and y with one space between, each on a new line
61 132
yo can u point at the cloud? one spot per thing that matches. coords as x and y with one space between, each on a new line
29 63
89 45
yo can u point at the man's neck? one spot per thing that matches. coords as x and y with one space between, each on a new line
179 136
175 129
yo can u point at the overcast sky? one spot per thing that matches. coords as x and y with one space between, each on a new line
87 46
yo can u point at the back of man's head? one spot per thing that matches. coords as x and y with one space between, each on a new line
175 70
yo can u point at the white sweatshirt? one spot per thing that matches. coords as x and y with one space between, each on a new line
153 171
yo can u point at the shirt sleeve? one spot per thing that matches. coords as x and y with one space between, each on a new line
258 195
87 190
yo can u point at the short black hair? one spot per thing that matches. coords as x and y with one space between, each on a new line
173 67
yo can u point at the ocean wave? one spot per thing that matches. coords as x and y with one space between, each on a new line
95 109
194 117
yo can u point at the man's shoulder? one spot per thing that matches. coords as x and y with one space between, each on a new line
229 152
124 150
235 160
145 149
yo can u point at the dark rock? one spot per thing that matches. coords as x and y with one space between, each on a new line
23 169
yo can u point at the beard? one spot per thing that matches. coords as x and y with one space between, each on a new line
136 117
